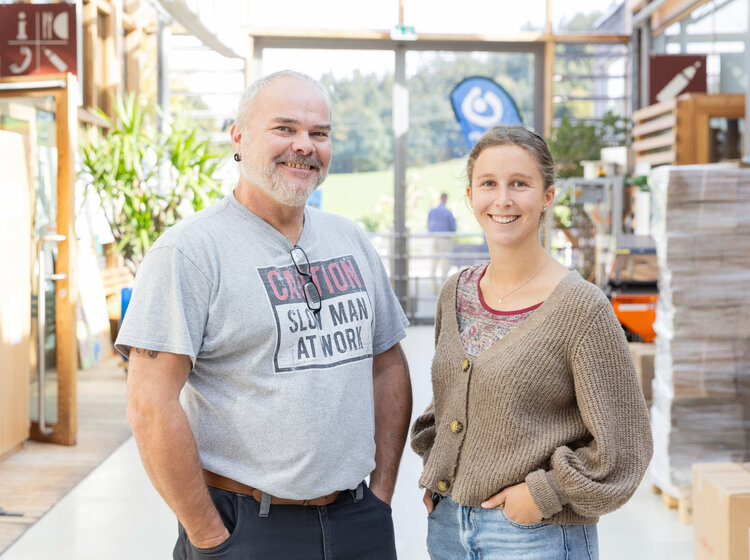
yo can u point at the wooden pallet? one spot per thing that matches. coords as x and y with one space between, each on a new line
677 132
683 504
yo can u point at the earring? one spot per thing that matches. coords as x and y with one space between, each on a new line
544 209
237 157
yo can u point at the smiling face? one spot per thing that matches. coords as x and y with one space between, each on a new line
286 148
508 195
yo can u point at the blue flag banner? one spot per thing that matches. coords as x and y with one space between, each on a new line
480 104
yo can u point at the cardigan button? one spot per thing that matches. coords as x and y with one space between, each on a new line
443 486
456 427
465 365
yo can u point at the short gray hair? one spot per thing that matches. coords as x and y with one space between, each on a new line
247 101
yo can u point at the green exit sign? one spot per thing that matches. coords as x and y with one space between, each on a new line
403 33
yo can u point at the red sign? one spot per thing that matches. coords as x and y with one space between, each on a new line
37 39
673 74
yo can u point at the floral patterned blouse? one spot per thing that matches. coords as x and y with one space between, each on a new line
479 326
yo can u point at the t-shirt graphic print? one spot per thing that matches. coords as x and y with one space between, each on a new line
340 333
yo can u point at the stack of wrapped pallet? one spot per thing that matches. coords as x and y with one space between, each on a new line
701 388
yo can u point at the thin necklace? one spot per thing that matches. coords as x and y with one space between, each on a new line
501 298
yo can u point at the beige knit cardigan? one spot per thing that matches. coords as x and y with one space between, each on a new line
555 403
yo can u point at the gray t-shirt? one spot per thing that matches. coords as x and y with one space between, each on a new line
278 398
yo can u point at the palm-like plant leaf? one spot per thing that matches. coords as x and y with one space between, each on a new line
122 167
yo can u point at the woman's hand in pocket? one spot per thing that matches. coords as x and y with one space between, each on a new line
519 505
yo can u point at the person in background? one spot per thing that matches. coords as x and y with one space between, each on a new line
441 220
538 424
266 379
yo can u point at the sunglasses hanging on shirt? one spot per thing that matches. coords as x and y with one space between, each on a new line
302 264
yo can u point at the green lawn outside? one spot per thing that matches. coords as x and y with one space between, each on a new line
368 197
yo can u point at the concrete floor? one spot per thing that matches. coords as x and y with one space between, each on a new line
114 513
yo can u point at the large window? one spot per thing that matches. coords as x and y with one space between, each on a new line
204 85
589 81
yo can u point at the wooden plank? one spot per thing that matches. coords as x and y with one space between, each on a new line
731 105
91 75
655 110
133 41
657 158
264 33
67 293
672 11
111 50
701 137
129 23
89 117
682 503
104 6
590 38
685 129
520 37
666 122
669 501
653 142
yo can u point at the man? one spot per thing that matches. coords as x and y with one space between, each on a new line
266 379
440 220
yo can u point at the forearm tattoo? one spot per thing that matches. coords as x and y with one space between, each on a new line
150 353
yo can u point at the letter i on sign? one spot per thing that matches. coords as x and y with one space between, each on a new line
21 36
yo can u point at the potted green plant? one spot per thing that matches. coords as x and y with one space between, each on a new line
122 167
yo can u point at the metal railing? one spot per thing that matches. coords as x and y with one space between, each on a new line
429 259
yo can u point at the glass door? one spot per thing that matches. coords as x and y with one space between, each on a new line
38 114
33 119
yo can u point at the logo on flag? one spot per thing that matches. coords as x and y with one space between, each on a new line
479 104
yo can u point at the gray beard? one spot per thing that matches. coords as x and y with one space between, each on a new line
270 180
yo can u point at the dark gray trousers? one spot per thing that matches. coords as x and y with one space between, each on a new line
347 529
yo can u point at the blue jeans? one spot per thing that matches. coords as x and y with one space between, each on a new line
347 529
456 532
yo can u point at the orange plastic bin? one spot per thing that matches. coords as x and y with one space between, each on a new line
637 313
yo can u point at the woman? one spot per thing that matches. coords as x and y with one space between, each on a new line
538 425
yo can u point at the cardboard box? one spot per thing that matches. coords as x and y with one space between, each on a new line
643 356
701 388
721 510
